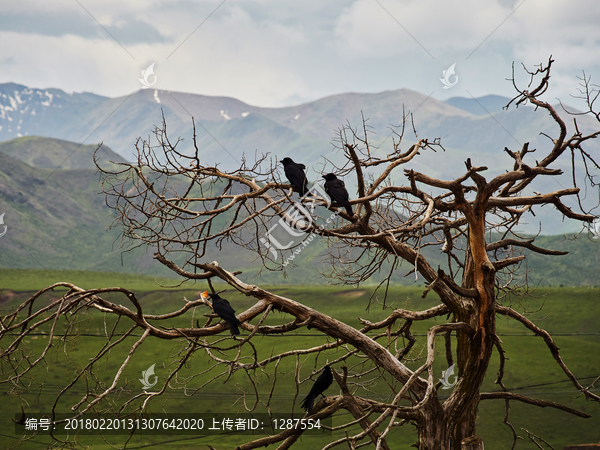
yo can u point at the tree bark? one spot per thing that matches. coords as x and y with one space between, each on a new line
472 443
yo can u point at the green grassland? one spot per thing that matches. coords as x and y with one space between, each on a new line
570 314
34 280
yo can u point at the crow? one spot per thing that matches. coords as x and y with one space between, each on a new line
295 175
322 383
336 189
224 310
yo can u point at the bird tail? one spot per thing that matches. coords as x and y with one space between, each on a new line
307 403
304 191
349 210
234 328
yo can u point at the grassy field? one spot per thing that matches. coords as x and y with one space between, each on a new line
570 314
34 280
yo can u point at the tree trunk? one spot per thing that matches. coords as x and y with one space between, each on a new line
432 429
473 353
472 443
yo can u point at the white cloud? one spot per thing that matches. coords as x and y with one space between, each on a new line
494 31
386 28
270 53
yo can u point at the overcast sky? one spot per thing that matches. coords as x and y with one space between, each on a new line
274 53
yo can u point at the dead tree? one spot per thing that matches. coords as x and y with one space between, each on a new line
172 202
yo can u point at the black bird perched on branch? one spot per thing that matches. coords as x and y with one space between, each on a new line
336 189
295 175
322 383
224 310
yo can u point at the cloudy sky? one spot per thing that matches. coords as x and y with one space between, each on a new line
273 53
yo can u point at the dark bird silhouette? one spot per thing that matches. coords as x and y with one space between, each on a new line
224 311
322 383
295 175
336 189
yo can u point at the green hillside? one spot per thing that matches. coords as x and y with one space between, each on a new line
581 267
48 153
58 220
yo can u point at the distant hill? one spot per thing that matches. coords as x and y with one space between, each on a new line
579 268
228 128
48 153
42 112
489 104
59 221
463 124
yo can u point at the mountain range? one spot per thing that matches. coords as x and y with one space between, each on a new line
461 123
476 128
470 125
